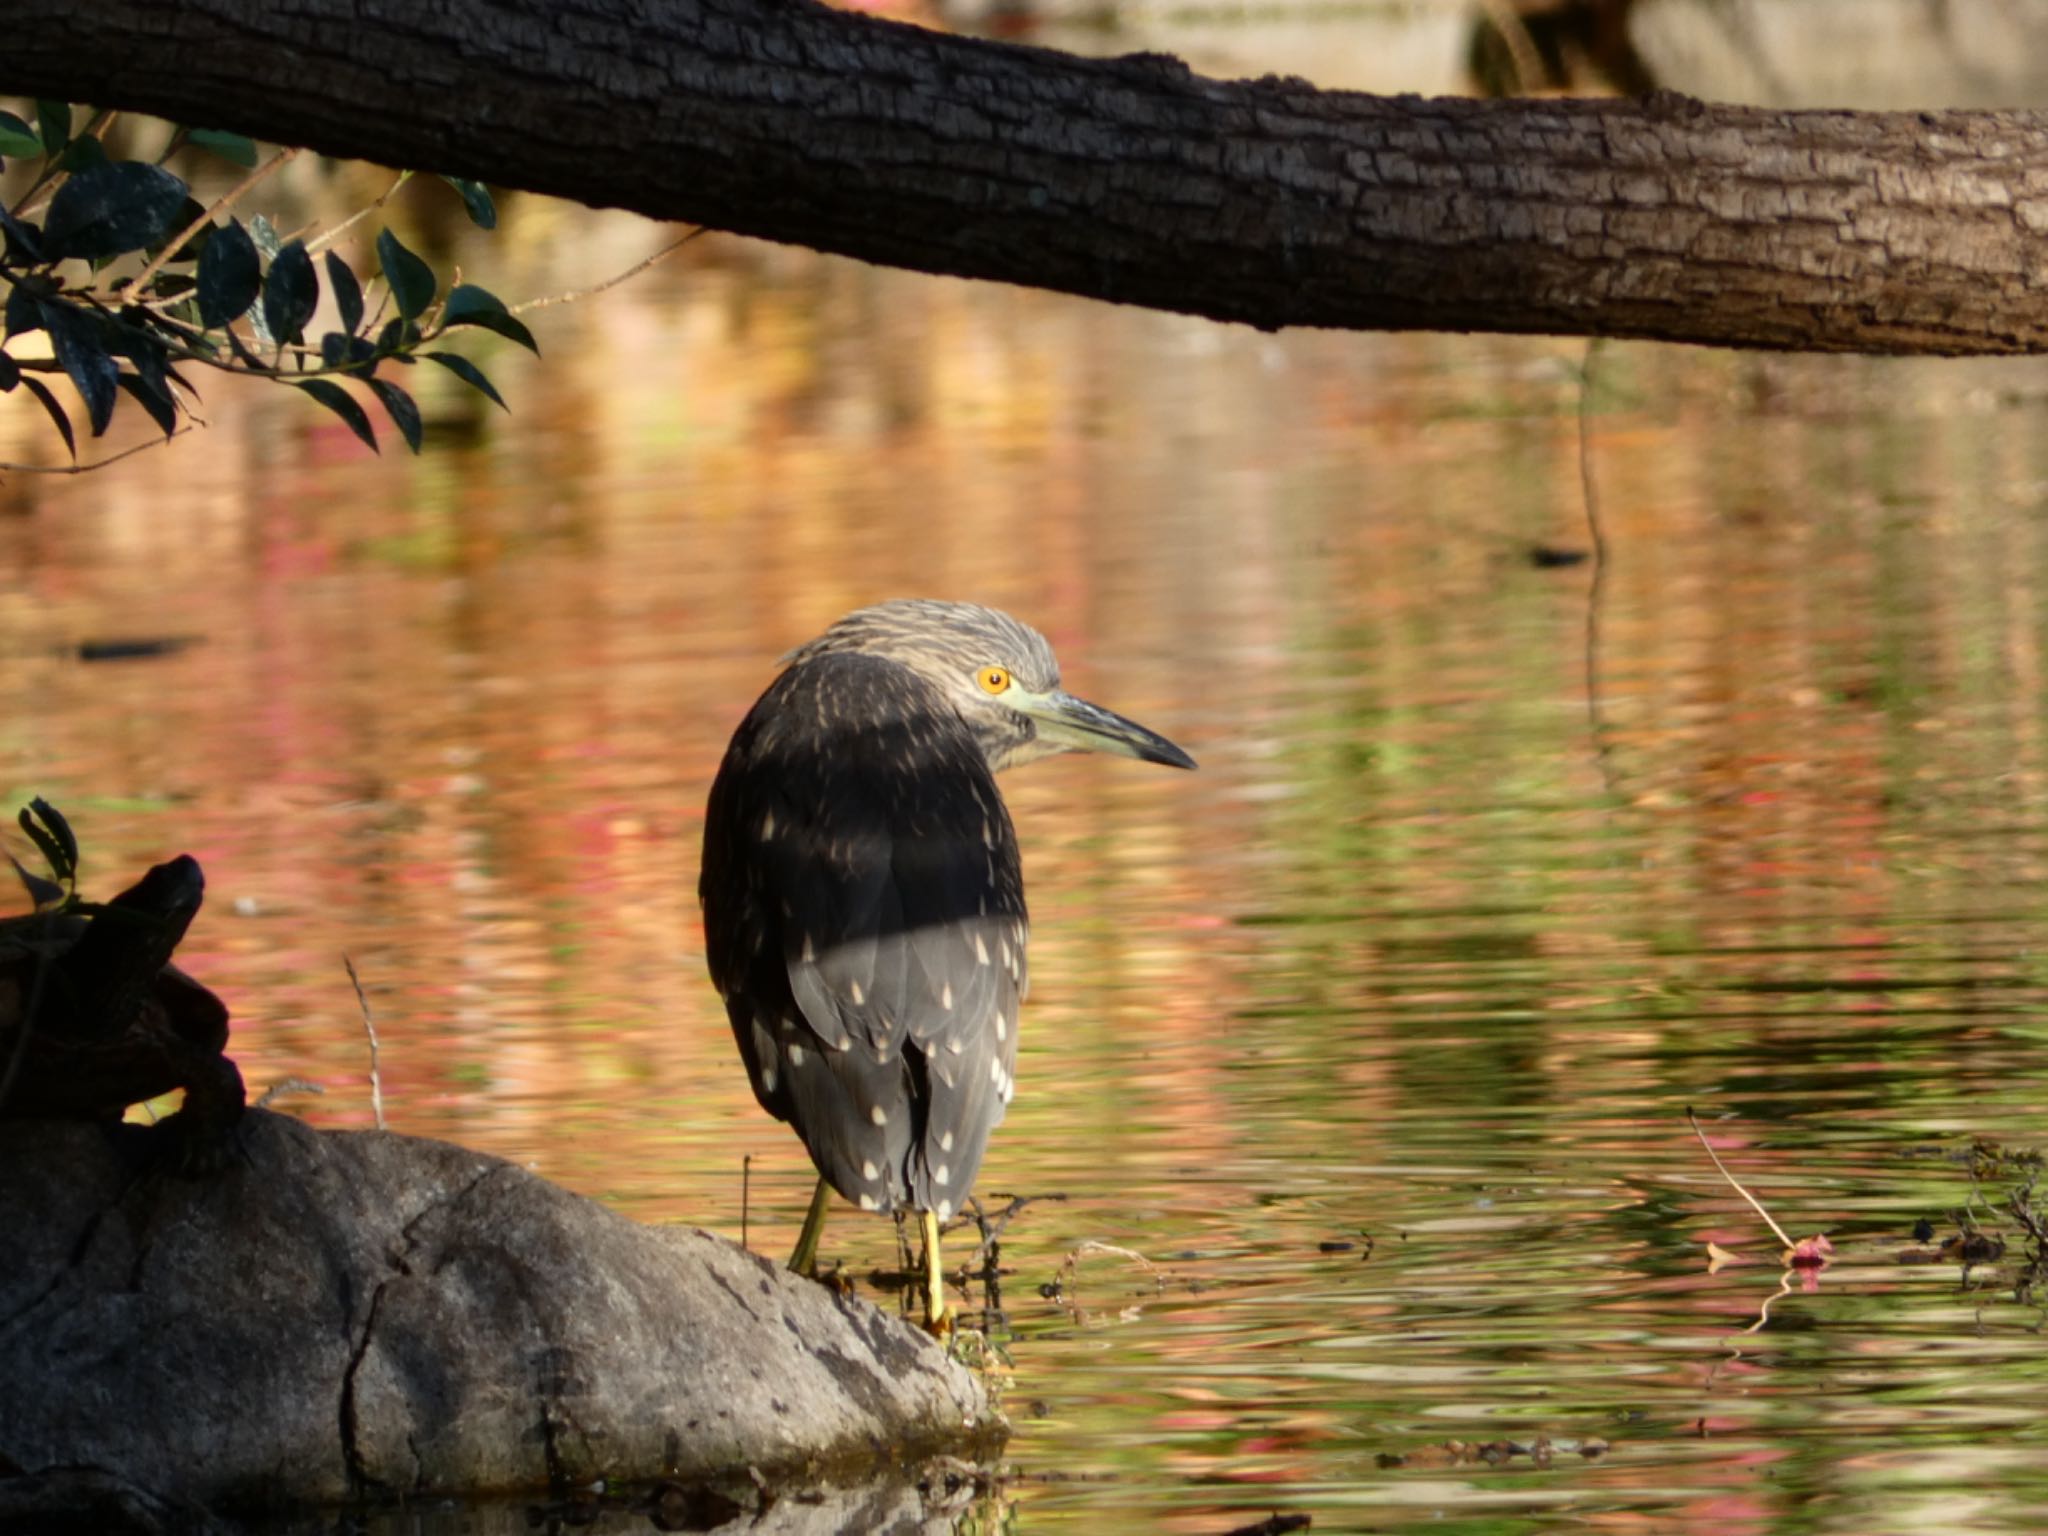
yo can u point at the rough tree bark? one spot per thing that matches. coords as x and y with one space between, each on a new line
1132 179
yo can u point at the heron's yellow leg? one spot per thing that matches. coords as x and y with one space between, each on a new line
936 1319
805 1260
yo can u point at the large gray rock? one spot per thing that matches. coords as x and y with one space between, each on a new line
351 1315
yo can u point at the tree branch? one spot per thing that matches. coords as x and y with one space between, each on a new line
1266 202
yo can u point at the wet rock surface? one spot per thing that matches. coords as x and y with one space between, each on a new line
367 1316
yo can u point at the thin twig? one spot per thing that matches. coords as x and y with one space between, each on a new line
86 469
1514 35
1596 591
746 1180
221 204
1763 1313
1693 1121
611 282
288 1087
323 241
370 1029
991 1228
1070 1267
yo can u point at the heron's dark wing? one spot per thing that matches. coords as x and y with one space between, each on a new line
864 911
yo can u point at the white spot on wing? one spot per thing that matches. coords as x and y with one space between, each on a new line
1002 1029
810 955
880 1116
870 1203
768 1079
946 996
943 1209
796 1055
870 1171
946 1142
767 826
858 993
943 1175
980 951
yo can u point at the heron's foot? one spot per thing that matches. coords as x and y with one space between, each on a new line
941 1326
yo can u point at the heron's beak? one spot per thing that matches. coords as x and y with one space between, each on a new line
1075 724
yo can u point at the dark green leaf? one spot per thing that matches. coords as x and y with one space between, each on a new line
404 414
243 355
469 373
41 391
476 197
108 209
230 276
10 373
17 138
341 352
42 892
132 340
44 844
67 840
343 404
24 239
265 235
291 293
163 410
188 216
24 314
411 280
229 146
52 834
82 155
395 336
82 353
348 293
53 125
471 305
60 830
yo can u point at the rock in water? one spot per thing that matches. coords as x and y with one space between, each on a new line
343 1315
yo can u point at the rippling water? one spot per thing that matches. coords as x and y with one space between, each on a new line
1355 1070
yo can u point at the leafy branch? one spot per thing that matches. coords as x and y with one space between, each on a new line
211 291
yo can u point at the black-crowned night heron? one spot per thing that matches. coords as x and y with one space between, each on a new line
864 903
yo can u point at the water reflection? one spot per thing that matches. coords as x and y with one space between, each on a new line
1426 961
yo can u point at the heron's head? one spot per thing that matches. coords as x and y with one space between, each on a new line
1001 675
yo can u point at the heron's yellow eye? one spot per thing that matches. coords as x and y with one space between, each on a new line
993 680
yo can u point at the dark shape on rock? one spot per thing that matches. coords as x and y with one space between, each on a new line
94 1017
345 1316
